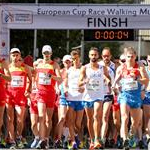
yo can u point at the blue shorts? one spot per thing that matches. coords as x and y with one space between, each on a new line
76 105
132 100
88 104
146 100
63 101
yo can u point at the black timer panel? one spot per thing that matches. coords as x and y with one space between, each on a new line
109 35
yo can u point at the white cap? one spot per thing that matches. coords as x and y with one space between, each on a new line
47 48
122 57
15 50
67 57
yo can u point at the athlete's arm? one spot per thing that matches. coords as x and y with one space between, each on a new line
29 75
65 85
117 76
144 76
106 75
57 71
82 76
7 75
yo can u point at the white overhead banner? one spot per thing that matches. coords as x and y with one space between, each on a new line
73 16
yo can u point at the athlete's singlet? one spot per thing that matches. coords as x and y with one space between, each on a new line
130 88
2 86
94 89
45 84
111 71
73 88
16 88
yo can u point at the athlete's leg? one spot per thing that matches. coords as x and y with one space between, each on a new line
49 114
62 111
2 108
105 118
124 110
89 113
20 113
42 119
78 120
34 124
97 119
10 122
71 123
146 112
136 117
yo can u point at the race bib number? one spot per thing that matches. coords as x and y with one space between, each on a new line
44 78
17 81
93 85
130 85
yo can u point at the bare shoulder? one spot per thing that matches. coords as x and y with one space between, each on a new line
56 65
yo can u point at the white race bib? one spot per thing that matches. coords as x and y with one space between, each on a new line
44 78
17 81
130 84
93 85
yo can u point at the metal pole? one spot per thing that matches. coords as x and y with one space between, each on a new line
82 46
139 47
68 36
35 39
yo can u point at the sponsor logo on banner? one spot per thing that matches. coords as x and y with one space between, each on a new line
16 16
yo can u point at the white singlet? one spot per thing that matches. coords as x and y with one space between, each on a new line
94 89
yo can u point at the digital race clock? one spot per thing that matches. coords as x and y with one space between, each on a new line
109 35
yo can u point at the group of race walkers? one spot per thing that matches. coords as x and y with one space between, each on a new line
102 104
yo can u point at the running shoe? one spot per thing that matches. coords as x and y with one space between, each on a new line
65 145
2 143
24 141
91 146
77 141
119 142
97 145
126 145
12 145
20 144
41 145
141 144
72 146
132 141
35 142
58 144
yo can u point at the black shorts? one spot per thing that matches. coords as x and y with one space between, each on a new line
108 98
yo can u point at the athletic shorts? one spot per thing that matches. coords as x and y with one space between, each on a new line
115 105
46 97
88 104
146 100
63 101
132 100
76 105
108 98
33 106
16 97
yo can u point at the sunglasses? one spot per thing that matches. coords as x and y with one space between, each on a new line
130 56
46 53
105 56
67 61
123 60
